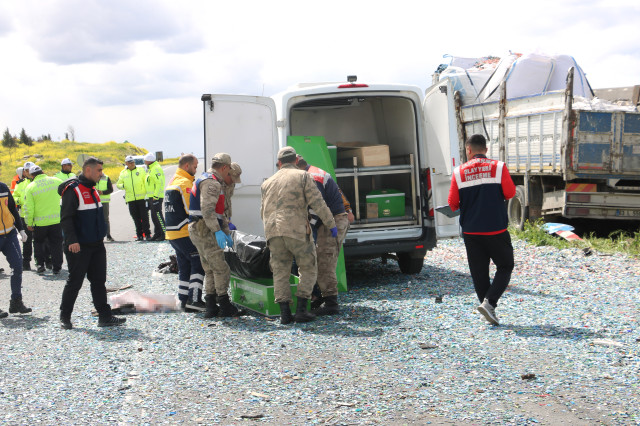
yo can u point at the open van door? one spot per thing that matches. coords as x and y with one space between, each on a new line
245 128
441 150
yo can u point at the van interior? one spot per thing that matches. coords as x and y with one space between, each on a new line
371 120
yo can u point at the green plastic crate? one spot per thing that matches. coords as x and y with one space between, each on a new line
258 294
390 202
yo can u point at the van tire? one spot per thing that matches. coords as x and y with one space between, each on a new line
517 210
409 263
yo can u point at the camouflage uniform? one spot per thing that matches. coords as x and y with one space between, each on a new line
202 234
285 198
328 252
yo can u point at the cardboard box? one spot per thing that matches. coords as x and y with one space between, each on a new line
367 155
372 210
390 202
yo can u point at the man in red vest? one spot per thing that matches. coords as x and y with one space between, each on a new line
479 189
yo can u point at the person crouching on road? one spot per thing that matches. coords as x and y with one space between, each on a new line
10 231
84 228
286 196
479 188
155 192
176 210
209 232
132 179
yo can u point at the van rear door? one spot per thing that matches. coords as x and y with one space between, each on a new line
441 148
245 128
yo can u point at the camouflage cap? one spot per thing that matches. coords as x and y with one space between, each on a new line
222 158
235 172
286 152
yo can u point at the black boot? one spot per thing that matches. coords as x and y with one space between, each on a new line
65 321
211 307
26 265
330 307
17 307
3 314
285 313
301 311
227 309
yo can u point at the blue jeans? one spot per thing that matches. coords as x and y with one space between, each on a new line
190 271
10 247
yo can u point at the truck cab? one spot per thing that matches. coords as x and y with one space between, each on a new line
252 130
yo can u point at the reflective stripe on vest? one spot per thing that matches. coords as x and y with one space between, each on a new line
194 198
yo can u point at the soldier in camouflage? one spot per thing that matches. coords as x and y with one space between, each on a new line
286 196
209 232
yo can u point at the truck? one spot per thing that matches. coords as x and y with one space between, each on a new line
566 158
253 128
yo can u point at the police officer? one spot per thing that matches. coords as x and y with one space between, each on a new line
10 232
209 232
176 207
133 180
65 172
18 196
286 196
327 249
479 188
42 216
84 231
155 192
105 188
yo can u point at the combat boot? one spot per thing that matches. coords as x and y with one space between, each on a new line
301 312
17 307
227 309
211 309
285 313
26 265
330 307
65 321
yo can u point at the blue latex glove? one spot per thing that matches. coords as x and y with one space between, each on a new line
232 227
334 232
221 238
229 240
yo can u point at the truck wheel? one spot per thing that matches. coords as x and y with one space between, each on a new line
409 264
516 209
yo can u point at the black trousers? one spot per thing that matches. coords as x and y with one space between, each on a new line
105 210
481 249
156 217
48 237
90 261
27 247
139 214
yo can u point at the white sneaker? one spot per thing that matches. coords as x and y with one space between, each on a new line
489 312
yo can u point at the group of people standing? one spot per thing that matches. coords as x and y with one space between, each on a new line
144 192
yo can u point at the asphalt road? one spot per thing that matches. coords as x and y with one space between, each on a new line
122 228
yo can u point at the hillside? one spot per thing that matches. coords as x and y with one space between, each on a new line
48 156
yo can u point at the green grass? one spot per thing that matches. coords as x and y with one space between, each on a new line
48 155
616 242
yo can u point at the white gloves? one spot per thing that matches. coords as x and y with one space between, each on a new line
23 236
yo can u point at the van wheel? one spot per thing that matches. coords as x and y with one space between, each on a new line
516 209
409 263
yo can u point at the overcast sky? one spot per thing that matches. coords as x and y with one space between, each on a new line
135 70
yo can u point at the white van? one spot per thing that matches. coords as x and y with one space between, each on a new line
252 129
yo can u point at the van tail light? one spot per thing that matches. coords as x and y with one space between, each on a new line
419 247
352 86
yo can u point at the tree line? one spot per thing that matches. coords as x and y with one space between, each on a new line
12 141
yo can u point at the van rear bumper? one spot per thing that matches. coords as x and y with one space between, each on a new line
419 246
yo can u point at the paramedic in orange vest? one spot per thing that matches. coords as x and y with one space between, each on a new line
479 189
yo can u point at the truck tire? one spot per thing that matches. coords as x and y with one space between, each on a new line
409 263
516 209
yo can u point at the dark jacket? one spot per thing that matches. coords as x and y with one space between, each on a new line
81 215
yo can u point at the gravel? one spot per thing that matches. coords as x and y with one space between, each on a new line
567 350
